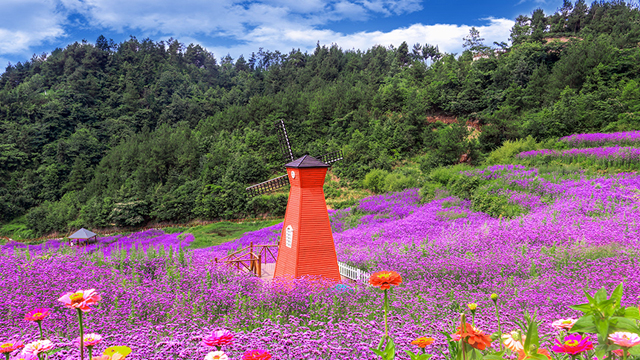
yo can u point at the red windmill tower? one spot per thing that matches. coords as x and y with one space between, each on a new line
306 244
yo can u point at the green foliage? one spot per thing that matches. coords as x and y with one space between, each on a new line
488 201
397 182
506 153
105 133
375 180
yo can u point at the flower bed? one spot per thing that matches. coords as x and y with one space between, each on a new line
162 306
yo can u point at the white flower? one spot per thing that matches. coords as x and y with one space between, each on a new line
216 355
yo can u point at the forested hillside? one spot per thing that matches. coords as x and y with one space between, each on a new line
105 133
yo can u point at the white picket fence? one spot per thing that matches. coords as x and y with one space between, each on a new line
353 273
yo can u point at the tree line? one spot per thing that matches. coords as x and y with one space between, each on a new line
104 133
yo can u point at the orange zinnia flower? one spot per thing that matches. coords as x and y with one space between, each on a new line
423 341
384 279
474 337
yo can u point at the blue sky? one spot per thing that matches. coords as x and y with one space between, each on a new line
238 27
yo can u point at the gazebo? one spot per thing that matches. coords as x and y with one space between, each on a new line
82 234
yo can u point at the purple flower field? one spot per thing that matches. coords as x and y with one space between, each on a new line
599 139
608 153
584 235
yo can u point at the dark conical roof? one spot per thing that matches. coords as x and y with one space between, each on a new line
82 234
306 162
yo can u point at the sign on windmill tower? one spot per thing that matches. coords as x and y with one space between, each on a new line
306 244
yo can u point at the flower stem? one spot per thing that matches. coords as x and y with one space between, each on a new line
90 351
499 328
624 354
40 327
81 335
6 356
386 309
463 327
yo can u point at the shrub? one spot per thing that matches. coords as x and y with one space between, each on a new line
442 175
375 180
509 149
428 191
397 182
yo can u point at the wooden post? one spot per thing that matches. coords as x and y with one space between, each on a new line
259 266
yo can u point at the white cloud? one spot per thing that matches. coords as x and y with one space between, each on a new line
269 24
28 23
448 37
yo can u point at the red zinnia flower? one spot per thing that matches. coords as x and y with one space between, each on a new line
473 336
384 279
256 355
37 314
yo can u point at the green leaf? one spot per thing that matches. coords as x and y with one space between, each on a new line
122 350
616 295
607 306
624 324
532 336
600 296
585 308
632 312
635 351
584 325
412 356
602 327
601 350
591 300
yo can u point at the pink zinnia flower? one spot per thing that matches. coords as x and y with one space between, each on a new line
37 314
625 339
573 344
89 340
256 355
216 355
563 324
37 347
10 347
218 338
80 299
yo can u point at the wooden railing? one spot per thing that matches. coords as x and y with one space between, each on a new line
250 258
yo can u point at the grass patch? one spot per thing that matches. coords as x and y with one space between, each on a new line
220 232
17 229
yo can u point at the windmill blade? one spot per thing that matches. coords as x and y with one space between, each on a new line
268 186
285 146
330 158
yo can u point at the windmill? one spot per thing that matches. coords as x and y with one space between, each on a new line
306 244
